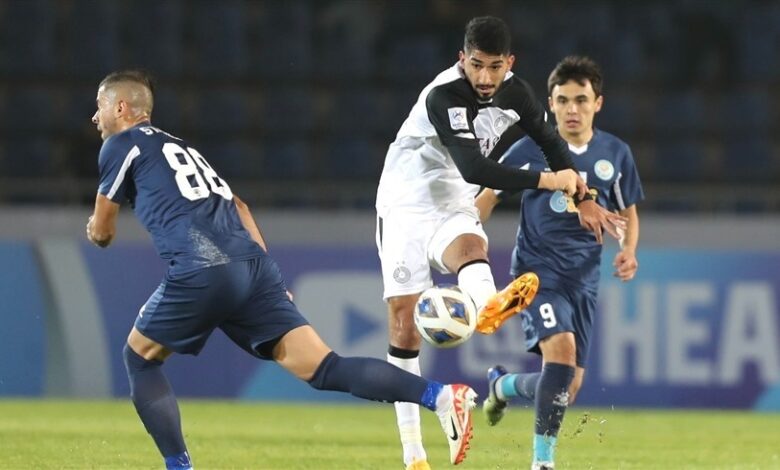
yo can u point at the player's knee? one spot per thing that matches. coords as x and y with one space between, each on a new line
132 360
135 365
467 248
560 348
401 307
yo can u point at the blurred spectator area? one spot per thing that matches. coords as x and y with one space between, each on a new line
295 102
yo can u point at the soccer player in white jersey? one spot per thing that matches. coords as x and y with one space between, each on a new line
550 241
425 200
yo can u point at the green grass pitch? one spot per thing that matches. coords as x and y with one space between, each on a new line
223 435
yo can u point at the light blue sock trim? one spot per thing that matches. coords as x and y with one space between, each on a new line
507 386
544 448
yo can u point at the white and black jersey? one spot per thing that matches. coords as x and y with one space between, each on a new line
437 161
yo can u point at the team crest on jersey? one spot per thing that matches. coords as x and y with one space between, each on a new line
604 169
558 202
500 122
402 274
458 118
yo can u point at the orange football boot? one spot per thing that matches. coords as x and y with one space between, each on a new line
515 297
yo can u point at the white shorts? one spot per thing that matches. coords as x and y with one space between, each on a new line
411 244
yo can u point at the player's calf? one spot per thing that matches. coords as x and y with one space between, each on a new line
156 406
552 399
377 380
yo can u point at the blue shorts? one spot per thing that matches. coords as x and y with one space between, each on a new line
245 299
558 309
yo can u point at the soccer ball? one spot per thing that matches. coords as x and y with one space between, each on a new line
445 316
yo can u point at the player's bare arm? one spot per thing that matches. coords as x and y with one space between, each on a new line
485 202
625 262
249 222
101 226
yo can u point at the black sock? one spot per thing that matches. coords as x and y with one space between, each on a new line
525 385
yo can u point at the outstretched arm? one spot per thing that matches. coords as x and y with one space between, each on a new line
249 222
453 119
101 226
482 171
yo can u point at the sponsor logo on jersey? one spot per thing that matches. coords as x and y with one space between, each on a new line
604 169
458 119
486 145
558 202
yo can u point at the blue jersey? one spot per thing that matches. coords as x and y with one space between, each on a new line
177 196
550 240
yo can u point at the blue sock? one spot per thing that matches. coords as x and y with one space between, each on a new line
544 448
373 379
525 384
519 385
178 462
156 406
552 398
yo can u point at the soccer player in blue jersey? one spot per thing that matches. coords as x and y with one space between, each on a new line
219 276
551 243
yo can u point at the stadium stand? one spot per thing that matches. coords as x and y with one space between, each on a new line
303 86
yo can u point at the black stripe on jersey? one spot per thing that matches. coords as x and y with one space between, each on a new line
380 228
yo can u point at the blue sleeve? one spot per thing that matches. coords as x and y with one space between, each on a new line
627 189
521 153
115 166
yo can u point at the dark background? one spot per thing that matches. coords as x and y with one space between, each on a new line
295 102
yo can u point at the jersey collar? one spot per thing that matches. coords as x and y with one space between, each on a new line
584 147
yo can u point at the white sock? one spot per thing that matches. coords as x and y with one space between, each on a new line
408 415
444 398
499 391
477 281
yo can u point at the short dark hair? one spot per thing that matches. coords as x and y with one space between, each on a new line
579 69
136 76
489 35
